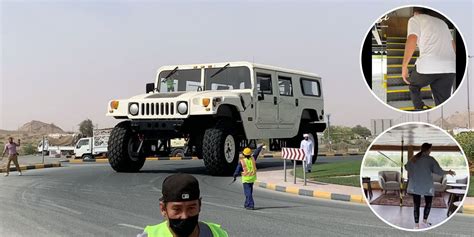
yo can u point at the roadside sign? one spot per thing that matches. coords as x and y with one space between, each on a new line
294 154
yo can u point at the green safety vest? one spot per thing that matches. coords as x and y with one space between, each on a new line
162 230
250 170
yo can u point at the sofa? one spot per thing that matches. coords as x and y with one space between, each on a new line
389 181
439 182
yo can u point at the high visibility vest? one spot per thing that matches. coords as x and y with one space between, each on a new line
162 230
250 170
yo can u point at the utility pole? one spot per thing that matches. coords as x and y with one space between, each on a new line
468 99
329 131
442 118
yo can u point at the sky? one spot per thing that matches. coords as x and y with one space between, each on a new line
62 61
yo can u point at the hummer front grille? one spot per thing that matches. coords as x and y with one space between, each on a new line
160 108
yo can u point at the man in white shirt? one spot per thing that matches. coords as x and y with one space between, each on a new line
307 146
436 65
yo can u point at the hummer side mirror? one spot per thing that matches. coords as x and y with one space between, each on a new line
150 87
261 95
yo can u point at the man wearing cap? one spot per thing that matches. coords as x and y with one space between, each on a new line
180 205
248 168
307 146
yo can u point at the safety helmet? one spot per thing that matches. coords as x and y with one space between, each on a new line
247 151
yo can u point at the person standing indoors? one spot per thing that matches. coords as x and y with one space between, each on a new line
180 205
420 168
436 65
248 168
307 146
10 147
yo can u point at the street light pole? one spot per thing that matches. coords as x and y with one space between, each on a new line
329 131
468 100
442 118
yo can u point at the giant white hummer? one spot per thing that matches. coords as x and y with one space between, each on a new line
219 108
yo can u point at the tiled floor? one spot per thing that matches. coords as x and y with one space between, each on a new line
403 216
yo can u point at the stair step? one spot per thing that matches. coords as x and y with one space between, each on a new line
399 60
400 57
403 89
402 95
399 65
394 76
407 105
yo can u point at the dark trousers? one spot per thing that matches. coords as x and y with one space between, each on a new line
441 85
248 191
416 208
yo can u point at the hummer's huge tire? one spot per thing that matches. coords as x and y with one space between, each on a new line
220 149
122 142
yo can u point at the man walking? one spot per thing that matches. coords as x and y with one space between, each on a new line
436 65
12 155
180 205
248 168
307 146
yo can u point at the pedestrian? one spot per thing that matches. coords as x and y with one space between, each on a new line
180 205
436 65
420 168
12 155
248 169
307 146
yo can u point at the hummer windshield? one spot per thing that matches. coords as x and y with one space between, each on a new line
179 80
223 78
227 78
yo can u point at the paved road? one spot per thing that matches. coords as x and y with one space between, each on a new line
93 200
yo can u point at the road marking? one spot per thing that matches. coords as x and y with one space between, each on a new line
62 207
131 226
234 208
156 189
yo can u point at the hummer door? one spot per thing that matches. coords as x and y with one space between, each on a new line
287 104
267 100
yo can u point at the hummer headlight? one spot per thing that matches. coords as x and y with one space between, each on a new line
182 107
133 108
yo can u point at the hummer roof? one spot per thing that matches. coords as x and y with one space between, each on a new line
236 64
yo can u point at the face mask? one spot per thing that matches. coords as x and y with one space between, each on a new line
184 227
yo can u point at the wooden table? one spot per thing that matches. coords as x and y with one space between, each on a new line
456 185
454 196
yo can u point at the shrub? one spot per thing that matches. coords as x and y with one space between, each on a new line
28 149
466 140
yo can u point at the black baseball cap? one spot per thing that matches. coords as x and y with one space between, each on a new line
426 146
180 188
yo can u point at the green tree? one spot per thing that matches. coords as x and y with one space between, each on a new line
361 131
86 128
466 140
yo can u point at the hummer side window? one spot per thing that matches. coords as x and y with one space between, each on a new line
264 83
180 80
286 88
227 78
310 87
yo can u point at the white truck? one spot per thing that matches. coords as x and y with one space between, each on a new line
89 147
219 108
58 144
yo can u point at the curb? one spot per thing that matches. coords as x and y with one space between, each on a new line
311 193
32 167
341 154
105 160
466 209
320 154
266 156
